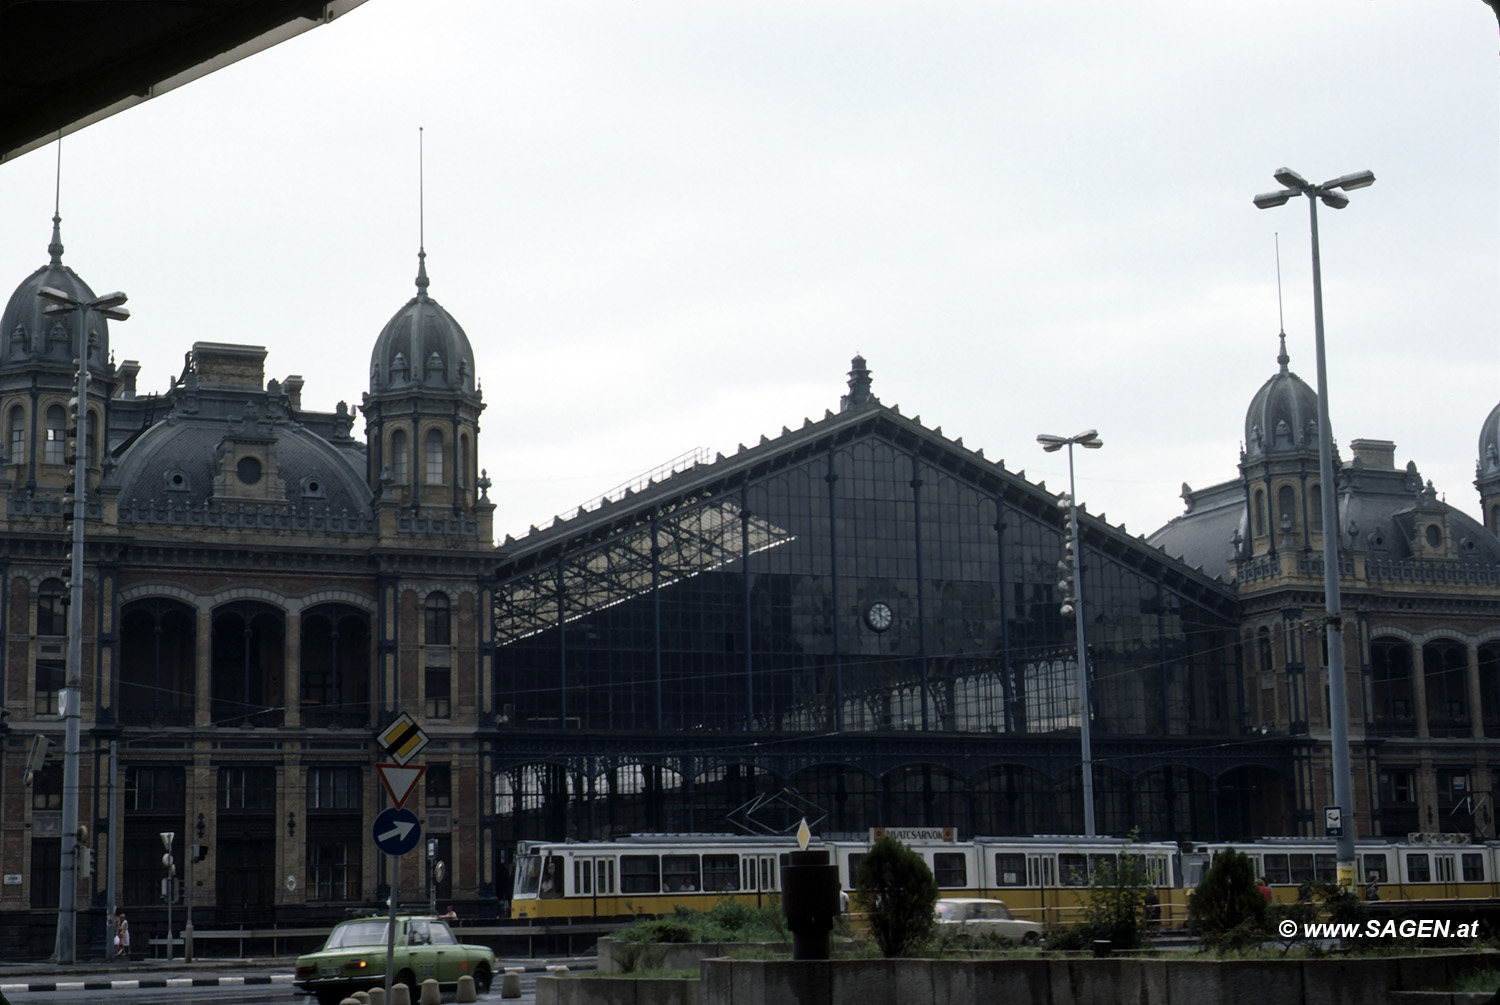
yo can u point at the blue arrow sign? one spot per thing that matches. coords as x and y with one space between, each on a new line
396 831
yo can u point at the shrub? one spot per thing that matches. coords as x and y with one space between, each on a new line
896 888
1227 900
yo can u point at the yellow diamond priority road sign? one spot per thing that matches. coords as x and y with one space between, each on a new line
403 739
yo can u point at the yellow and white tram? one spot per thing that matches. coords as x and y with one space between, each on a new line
1040 878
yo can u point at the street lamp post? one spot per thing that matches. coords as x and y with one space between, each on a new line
60 304
1331 194
1088 439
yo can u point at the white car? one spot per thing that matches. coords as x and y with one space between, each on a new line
976 915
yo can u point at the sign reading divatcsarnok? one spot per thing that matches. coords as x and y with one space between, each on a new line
915 835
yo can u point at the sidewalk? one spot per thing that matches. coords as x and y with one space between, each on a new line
99 975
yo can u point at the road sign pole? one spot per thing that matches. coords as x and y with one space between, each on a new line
390 932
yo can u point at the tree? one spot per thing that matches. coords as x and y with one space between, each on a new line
1227 900
897 889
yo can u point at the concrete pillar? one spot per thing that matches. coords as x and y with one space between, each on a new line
430 995
1419 688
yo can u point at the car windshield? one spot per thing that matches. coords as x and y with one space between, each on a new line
357 933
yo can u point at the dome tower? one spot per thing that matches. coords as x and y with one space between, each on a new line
422 411
1279 464
1487 470
38 375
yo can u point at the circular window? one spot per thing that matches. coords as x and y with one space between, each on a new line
249 470
1434 535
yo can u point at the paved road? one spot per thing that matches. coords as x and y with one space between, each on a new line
218 981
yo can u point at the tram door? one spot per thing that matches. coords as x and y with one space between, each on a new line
593 878
1041 875
758 875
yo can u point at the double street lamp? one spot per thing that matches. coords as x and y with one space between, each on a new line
60 305
1071 568
1340 822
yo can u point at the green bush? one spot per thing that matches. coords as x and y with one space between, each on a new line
896 888
1227 902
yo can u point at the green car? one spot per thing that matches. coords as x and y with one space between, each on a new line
353 959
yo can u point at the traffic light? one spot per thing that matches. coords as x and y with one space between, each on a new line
1067 569
37 757
85 862
70 434
199 852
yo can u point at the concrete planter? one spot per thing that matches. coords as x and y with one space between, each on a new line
617 991
1080 981
617 956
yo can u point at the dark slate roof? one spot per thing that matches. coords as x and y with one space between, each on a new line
173 463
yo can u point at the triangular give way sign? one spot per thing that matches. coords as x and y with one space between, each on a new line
400 780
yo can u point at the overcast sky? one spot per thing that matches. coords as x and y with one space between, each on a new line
670 225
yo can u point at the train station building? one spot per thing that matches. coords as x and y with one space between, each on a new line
857 620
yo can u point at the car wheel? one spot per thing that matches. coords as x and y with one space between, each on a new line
410 980
482 978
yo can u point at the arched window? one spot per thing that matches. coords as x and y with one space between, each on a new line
1260 513
434 457
1286 507
57 419
93 444
158 647
1263 640
399 457
335 666
248 654
17 438
463 461
1315 507
437 622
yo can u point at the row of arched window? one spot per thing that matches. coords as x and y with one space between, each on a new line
247 660
432 465
1288 516
53 443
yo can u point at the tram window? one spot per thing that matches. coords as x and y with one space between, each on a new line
1375 869
604 870
1473 867
639 874
854 861
1101 865
582 877
528 874
748 869
767 873
1276 869
1416 868
1444 864
552 877
721 873
1010 869
679 873
950 870
1302 868
1073 869
1326 868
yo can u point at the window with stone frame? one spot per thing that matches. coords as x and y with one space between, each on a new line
439 689
57 422
400 457
439 781
432 457
437 620
17 438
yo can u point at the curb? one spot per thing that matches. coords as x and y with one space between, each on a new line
144 982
